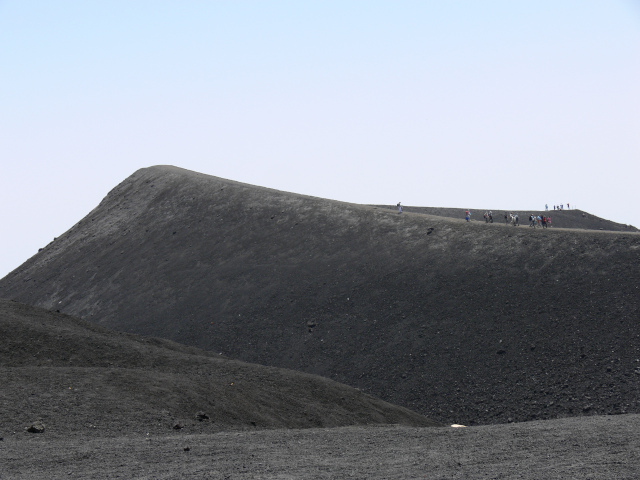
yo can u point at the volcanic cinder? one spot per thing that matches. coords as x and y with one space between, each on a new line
462 322
81 379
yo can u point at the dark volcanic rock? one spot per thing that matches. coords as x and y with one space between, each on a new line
201 416
36 427
359 294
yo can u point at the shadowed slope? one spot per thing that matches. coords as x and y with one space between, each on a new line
463 322
79 377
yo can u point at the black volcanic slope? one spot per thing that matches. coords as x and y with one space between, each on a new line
81 378
463 322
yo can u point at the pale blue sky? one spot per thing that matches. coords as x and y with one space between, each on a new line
474 104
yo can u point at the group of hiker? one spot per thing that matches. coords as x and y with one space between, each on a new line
557 207
543 221
488 216
539 221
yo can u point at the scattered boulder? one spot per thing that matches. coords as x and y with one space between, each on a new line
201 416
36 427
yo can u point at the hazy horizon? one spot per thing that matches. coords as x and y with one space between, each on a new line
509 105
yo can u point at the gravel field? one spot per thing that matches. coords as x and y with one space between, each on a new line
577 448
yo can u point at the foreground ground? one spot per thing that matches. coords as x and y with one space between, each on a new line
578 448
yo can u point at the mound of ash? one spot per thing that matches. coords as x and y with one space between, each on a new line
559 218
73 376
463 322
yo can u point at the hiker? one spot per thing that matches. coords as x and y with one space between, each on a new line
399 208
468 216
506 220
548 221
546 207
568 207
490 216
544 222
